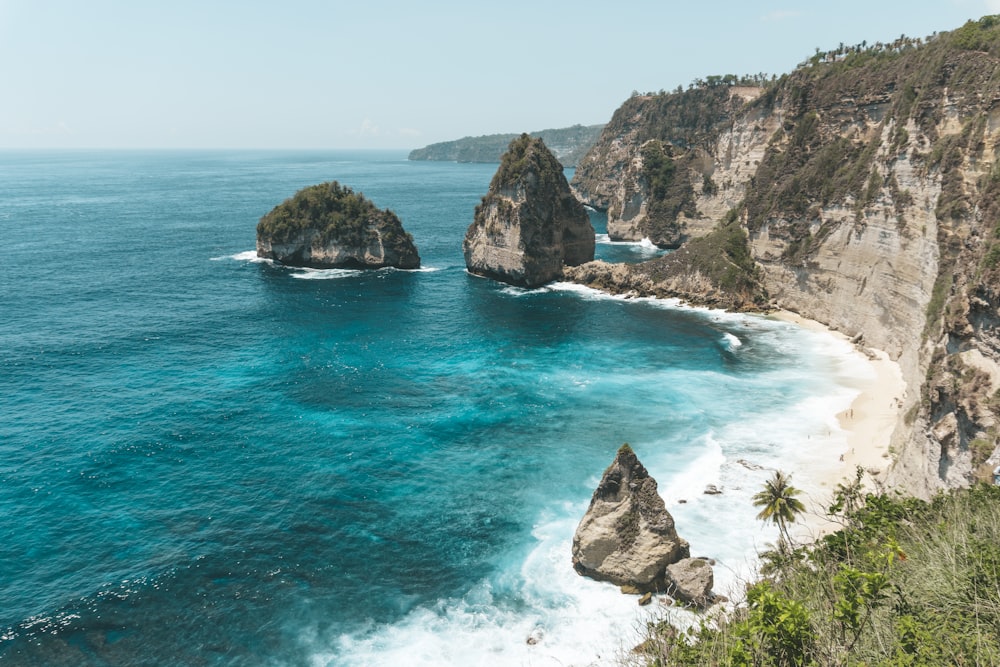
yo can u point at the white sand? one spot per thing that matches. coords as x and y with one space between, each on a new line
868 425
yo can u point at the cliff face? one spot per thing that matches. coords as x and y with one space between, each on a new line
868 185
529 224
668 167
329 226
569 144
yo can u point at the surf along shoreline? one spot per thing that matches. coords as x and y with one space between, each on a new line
868 423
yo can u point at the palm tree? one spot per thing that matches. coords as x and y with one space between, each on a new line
779 502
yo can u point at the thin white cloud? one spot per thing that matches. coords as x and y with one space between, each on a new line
60 128
409 132
992 6
367 129
781 15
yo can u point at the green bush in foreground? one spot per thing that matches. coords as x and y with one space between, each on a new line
904 583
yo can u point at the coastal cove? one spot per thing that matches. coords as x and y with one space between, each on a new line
213 459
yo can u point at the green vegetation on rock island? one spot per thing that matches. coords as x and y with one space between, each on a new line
337 212
529 224
329 225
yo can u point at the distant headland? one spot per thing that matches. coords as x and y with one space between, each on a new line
568 144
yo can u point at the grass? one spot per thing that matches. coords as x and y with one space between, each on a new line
905 582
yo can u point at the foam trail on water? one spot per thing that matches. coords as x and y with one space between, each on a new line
325 274
511 290
534 609
245 256
645 246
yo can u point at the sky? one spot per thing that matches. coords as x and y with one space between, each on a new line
391 73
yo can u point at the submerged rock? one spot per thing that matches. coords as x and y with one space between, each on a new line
329 226
627 536
529 224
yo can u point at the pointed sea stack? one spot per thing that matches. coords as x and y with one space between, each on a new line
328 226
529 223
627 536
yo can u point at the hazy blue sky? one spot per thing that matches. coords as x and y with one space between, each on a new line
387 73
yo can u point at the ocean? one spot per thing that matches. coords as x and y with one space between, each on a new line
209 459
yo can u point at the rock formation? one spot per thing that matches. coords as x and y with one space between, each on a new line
690 580
529 224
627 536
866 189
652 200
329 226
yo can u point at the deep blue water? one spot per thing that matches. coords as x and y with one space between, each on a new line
209 460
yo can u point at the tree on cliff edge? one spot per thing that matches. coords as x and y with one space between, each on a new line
779 503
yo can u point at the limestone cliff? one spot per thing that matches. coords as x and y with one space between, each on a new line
329 226
529 224
867 183
627 536
668 166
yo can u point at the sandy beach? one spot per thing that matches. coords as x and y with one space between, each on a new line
868 424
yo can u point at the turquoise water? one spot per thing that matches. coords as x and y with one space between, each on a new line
207 459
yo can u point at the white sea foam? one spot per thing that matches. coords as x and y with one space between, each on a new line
523 291
306 273
733 342
644 245
245 256
590 293
536 595
325 274
335 274
569 620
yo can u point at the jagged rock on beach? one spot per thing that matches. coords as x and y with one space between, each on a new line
627 536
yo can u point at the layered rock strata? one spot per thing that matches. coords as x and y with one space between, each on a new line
627 536
867 187
529 224
330 226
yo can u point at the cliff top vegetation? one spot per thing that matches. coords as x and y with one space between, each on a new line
904 582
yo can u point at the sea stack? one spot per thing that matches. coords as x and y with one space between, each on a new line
329 226
529 224
627 536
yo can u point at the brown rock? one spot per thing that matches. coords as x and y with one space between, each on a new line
690 580
627 536
529 224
